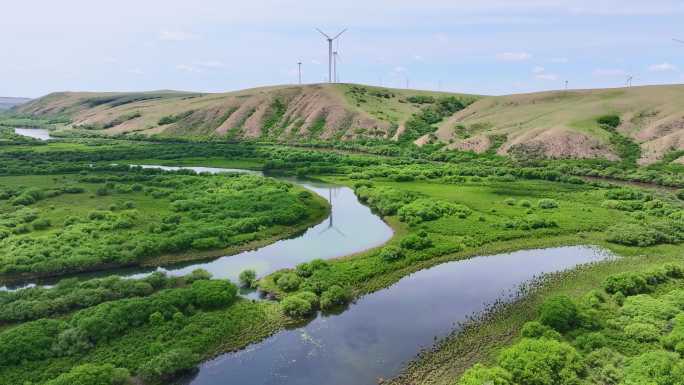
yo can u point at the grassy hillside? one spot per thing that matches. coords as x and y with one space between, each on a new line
553 124
339 112
564 124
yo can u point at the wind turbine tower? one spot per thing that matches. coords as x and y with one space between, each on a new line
299 71
629 81
330 52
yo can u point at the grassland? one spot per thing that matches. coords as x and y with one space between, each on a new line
132 217
441 208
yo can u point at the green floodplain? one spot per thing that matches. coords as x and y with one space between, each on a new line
74 206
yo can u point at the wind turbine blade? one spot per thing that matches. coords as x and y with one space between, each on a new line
323 33
339 232
679 41
338 35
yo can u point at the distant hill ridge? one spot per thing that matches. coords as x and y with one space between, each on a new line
552 124
8 102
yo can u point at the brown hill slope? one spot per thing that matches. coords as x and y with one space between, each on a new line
563 124
320 111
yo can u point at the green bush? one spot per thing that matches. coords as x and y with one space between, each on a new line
559 313
334 296
418 241
634 235
541 362
213 294
547 203
296 306
248 278
168 365
41 224
391 253
288 282
657 367
422 210
609 121
481 375
628 283
308 268
92 374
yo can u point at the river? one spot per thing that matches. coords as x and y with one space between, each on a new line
379 333
35 133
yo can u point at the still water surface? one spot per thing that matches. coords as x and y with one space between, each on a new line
36 133
376 336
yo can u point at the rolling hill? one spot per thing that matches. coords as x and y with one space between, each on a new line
339 112
554 124
7 102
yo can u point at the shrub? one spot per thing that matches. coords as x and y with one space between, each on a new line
534 329
547 204
423 210
168 364
541 362
296 306
628 283
288 282
634 235
41 224
334 296
680 194
248 278
560 313
656 367
418 241
591 341
509 201
390 253
642 332
197 275
213 294
481 375
609 121
308 268
525 203
92 374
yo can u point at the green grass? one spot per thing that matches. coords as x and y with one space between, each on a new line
124 219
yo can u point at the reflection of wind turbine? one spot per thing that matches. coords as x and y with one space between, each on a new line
330 220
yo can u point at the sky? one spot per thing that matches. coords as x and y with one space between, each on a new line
485 47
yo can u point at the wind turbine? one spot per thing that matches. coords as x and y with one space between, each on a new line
629 81
299 70
679 41
330 51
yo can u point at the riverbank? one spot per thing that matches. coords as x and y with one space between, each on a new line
481 339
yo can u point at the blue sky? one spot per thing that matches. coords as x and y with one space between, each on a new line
485 47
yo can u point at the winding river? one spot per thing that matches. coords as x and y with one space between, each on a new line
379 333
35 133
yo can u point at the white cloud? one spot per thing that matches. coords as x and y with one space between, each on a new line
609 72
544 76
513 56
169 35
135 71
538 70
561 60
399 69
187 68
662 67
210 64
418 58
315 62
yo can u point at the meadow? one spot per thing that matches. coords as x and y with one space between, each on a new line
442 206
